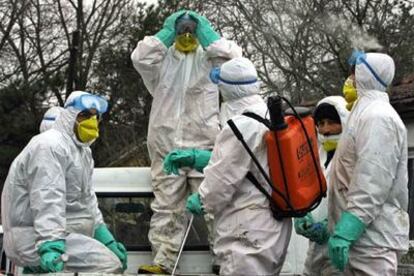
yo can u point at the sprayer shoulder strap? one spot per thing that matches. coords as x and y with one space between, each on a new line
256 117
256 183
249 175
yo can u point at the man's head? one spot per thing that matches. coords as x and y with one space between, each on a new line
237 82
185 30
327 120
372 71
84 111
330 115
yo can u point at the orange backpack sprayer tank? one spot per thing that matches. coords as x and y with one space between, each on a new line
296 177
293 158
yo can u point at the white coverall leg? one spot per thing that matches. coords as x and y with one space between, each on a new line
369 172
184 114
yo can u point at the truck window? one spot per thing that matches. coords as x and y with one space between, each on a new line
128 217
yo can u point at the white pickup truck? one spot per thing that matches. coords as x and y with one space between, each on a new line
125 195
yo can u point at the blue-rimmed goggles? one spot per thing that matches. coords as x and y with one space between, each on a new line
215 78
88 101
359 57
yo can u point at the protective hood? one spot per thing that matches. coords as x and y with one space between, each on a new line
381 73
50 118
238 79
340 105
66 121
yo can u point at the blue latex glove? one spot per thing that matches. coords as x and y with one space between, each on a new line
194 204
204 32
50 253
348 230
167 34
103 235
194 158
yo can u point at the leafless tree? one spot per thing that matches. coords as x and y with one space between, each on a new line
301 47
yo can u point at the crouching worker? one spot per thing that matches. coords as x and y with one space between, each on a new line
50 212
248 240
330 115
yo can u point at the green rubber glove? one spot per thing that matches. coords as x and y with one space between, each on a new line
303 223
204 32
318 232
167 34
194 204
194 158
50 253
348 230
103 235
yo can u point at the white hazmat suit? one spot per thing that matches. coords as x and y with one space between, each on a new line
50 117
369 176
248 240
317 261
184 115
48 196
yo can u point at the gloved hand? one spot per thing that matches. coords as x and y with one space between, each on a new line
194 158
103 235
167 34
194 204
302 224
204 32
50 253
348 230
314 231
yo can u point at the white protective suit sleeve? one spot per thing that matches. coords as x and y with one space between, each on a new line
227 168
47 194
377 161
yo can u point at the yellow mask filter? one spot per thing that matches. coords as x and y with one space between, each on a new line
186 43
350 93
88 129
329 145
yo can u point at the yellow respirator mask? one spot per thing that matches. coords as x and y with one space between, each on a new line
329 142
350 93
186 43
88 130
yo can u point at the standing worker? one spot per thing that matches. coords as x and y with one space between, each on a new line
248 239
175 65
49 208
330 116
368 196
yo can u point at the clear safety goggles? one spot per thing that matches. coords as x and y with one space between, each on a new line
215 78
359 57
88 101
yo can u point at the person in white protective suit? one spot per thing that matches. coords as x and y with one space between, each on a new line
50 117
49 208
330 116
248 239
174 65
368 195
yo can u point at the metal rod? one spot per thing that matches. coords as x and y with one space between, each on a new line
183 243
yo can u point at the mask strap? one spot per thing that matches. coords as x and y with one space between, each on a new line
374 73
238 82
